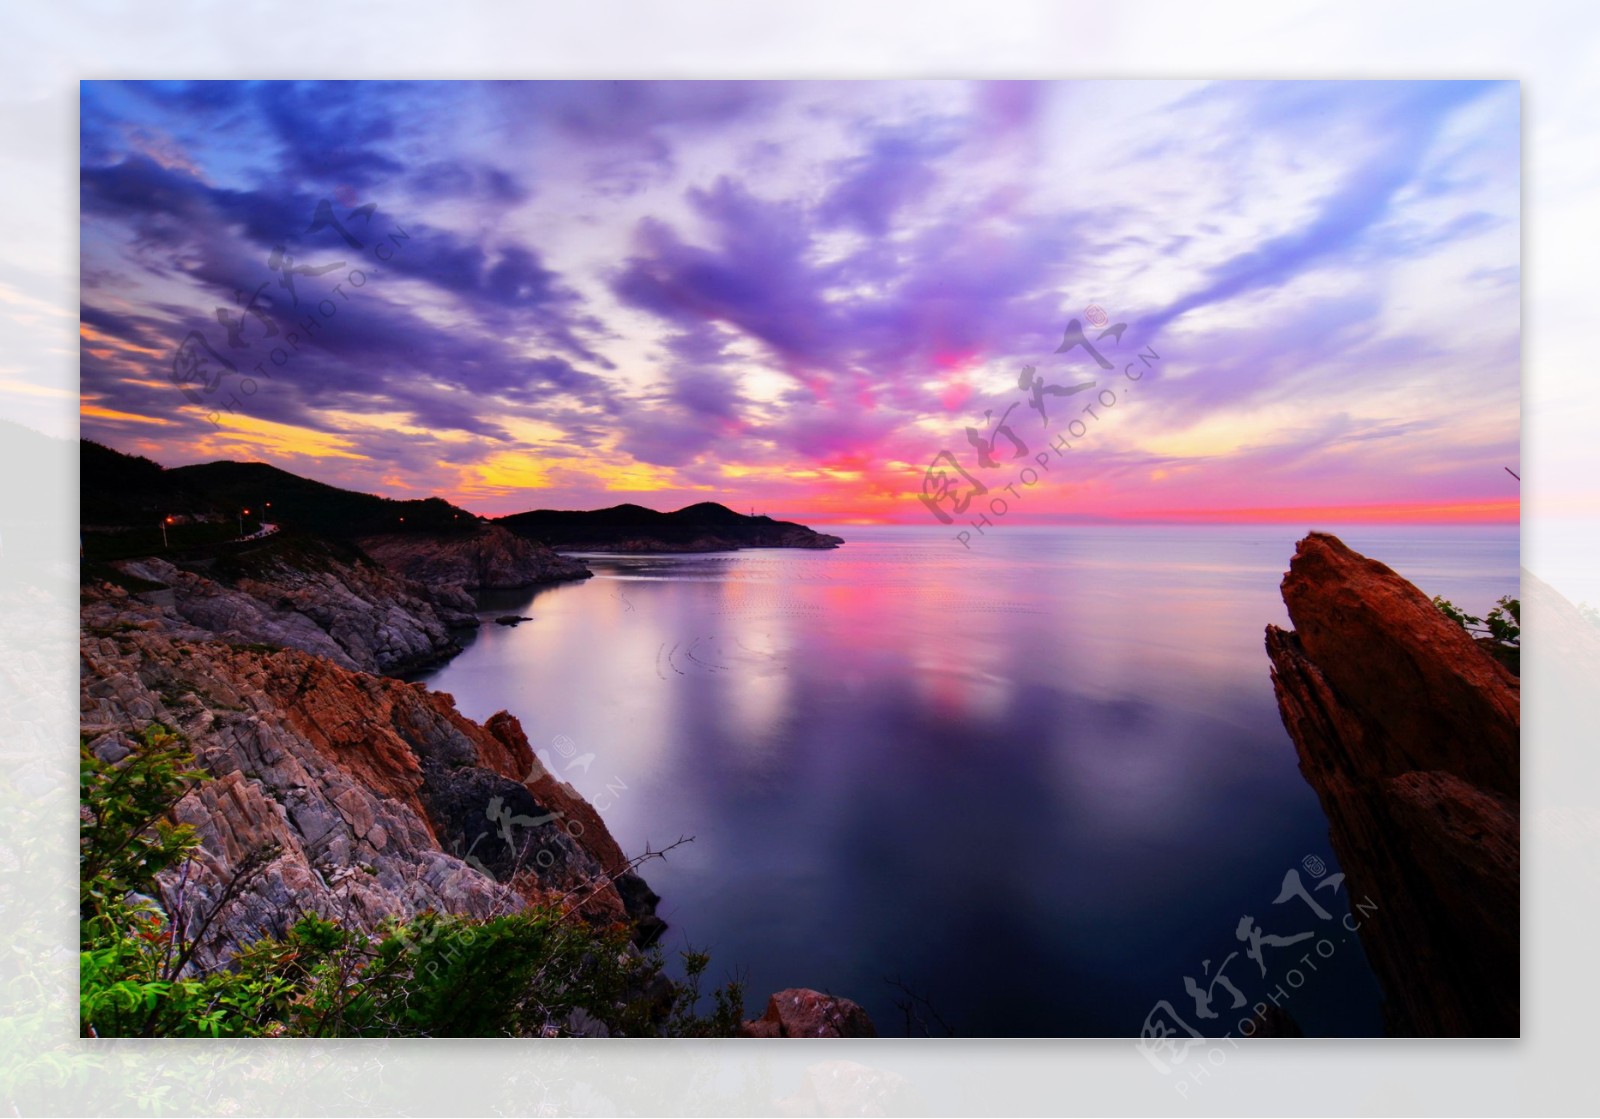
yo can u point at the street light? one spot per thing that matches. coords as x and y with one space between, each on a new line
242 514
164 525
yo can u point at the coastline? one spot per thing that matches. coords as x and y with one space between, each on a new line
336 784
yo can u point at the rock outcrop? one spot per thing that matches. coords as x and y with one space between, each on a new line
297 593
349 793
487 558
1409 733
801 1012
338 790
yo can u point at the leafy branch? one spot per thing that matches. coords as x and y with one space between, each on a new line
1503 623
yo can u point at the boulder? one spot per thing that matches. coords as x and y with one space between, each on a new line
801 1012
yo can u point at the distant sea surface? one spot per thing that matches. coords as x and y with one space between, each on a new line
1020 790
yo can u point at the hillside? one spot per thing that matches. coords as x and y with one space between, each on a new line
134 509
315 506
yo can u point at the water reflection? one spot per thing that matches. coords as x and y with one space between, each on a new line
1037 781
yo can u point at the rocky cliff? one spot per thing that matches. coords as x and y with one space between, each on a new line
292 591
487 558
336 789
1409 733
358 795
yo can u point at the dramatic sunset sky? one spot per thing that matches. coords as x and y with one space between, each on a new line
793 296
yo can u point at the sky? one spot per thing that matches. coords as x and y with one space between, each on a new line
798 297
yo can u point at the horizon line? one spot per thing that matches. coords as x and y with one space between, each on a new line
1497 511
1507 510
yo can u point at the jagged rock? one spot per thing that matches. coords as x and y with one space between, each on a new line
111 747
1409 733
511 619
341 792
489 557
801 1012
358 615
358 795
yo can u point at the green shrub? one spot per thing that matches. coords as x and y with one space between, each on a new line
1504 622
543 971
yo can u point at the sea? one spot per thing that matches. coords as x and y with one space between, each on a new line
1032 787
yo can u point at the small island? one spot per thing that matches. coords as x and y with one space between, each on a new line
706 527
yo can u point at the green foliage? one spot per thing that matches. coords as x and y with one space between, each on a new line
1504 622
1455 613
544 971
124 835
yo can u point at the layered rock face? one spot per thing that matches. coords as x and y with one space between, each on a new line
296 594
489 558
1410 734
366 797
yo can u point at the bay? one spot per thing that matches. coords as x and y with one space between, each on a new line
1019 789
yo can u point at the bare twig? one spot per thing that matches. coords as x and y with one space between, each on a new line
918 1011
250 868
607 878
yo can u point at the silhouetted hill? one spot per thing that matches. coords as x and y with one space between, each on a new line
706 527
119 489
129 490
288 499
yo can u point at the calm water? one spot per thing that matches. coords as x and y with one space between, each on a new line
1038 782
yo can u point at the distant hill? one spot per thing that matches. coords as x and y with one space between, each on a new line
119 489
316 506
129 490
706 527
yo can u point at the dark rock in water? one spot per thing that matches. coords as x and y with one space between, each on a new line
511 619
640 901
800 1012
1409 732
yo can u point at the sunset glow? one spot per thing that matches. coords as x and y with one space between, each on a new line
793 296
